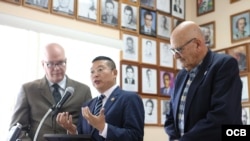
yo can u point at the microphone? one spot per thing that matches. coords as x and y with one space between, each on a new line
68 92
14 132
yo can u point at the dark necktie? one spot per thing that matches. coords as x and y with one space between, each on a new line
98 105
56 93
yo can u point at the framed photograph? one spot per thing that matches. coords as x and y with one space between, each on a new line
88 10
240 26
178 9
149 4
204 7
148 50
166 57
176 21
148 80
64 8
130 47
245 88
147 22
129 76
110 13
163 6
208 30
151 110
164 109
167 78
132 2
240 54
17 2
43 5
245 115
129 20
164 26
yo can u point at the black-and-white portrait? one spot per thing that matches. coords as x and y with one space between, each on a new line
163 5
150 106
129 15
65 7
164 110
37 3
178 8
245 89
166 57
245 116
130 47
88 9
149 81
109 12
164 26
209 33
130 77
148 51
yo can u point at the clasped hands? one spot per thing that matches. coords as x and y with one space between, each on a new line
64 119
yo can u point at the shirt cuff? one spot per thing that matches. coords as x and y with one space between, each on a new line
104 132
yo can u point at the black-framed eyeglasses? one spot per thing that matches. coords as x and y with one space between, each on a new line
178 50
59 64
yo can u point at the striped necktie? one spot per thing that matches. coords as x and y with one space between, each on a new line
182 103
98 105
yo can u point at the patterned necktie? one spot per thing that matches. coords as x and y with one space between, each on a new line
98 105
56 93
182 103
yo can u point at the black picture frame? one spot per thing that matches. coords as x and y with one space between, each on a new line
149 21
88 10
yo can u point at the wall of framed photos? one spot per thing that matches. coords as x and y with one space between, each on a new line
221 24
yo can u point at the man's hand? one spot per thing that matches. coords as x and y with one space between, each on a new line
97 122
65 120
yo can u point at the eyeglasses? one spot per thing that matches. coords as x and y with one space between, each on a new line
178 50
59 64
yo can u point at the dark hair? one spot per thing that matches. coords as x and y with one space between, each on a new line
165 20
110 62
129 8
241 18
166 74
110 1
129 67
149 101
130 38
147 12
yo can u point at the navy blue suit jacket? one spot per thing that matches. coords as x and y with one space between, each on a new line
124 114
213 99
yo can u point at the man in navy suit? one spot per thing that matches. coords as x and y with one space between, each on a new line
122 116
211 97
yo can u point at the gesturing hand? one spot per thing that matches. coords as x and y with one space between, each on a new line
65 120
97 122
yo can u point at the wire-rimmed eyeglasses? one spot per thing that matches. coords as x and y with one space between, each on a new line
178 50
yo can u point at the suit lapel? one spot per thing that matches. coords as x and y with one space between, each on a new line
111 100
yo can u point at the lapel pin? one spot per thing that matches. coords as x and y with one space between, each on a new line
112 99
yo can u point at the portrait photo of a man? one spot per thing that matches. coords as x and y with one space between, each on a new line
109 10
147 22
129 17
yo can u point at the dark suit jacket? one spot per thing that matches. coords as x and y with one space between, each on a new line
127 80
113 21
35 99
153 32
124 114
213 99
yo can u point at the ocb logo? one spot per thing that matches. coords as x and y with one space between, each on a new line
236 132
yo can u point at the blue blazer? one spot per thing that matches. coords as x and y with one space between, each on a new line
213 99
124 114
